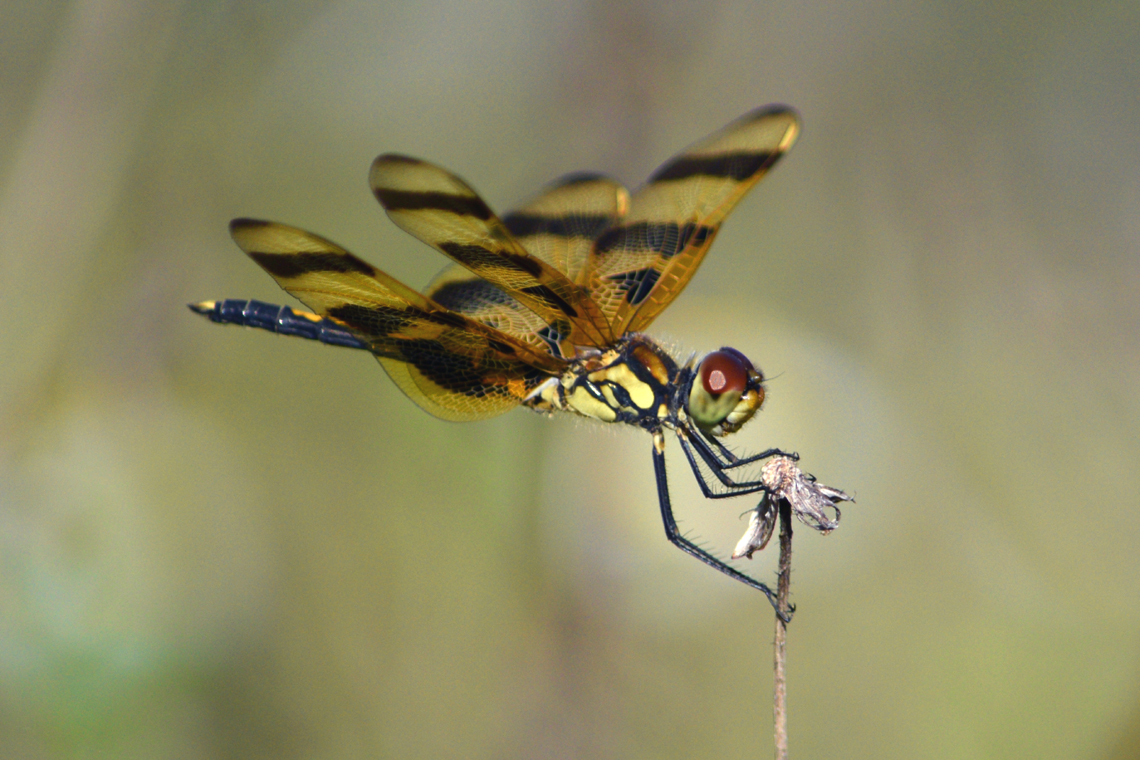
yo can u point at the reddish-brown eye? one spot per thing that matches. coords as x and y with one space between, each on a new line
723 371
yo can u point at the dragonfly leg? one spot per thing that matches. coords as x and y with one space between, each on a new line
730 460
691 443
673 533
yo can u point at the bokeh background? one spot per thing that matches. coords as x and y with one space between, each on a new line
218 543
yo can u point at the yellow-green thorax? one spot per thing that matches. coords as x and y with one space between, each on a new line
632 382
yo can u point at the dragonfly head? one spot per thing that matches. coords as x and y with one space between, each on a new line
726 391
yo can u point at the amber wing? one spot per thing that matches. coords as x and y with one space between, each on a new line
453 366
440 209
559 227
641 264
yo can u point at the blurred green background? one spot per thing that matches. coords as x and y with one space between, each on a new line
217 543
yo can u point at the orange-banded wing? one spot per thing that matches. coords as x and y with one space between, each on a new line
451 365
641 264
457 289
562 223
443 211
559 227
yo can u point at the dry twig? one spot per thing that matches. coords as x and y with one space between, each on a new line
790 491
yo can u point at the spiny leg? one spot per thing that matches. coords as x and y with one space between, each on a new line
673 533
731 460
689 443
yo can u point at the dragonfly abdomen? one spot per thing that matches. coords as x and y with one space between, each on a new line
279 319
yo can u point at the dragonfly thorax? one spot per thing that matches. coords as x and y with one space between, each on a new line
634 382
637 382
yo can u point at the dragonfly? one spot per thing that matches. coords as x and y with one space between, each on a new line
546 306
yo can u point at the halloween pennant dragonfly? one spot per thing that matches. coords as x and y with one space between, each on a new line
545 306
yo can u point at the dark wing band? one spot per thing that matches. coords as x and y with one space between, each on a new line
640 265
456 367
443 211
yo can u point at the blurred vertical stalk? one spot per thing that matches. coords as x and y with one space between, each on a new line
786 488
783 585
68 170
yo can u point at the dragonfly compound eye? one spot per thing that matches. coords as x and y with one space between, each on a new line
721 380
